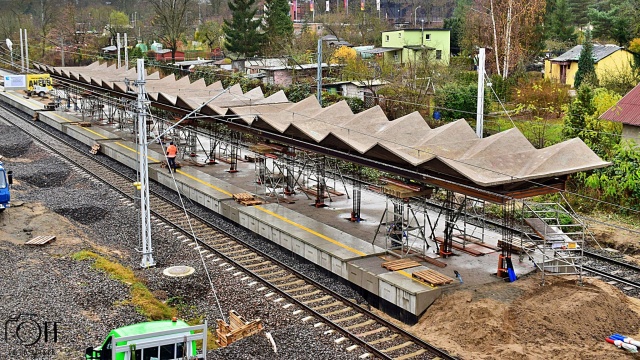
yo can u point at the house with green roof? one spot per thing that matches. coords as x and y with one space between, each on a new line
610 61
414 45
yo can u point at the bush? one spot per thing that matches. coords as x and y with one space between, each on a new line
455 101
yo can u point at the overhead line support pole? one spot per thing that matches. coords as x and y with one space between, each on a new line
145 213
319 73
480 108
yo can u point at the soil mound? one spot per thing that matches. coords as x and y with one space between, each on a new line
13 142
83 214
561 320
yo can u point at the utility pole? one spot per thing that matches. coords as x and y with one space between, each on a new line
10 46
480 108
26 49
126 52
62 50
319 73
21 53
143 162
118 46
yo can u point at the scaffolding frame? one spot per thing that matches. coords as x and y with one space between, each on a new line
401 227
266 176
553 232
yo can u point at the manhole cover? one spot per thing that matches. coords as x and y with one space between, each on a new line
178 271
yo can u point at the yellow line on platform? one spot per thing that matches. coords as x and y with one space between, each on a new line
302 227
23 99
204 183
61 117
322 236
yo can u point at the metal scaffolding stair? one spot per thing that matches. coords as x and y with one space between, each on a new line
553 237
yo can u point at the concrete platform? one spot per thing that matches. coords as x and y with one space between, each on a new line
323 236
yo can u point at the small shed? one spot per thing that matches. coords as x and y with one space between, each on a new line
355 88
627 112
287 75
165 55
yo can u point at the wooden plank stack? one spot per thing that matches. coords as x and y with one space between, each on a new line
40 240
94 149
432 277
238 328
400 264
246 199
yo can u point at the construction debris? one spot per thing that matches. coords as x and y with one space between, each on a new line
40 240
238 328
94 149
246 199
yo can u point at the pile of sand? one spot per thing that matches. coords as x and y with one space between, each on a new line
524 320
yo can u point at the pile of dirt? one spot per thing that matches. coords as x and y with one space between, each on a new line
524 320
13 142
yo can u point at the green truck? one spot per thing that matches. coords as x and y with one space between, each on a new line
154 340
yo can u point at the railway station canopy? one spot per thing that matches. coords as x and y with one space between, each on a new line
501 166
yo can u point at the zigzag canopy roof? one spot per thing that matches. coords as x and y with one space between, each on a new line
453 150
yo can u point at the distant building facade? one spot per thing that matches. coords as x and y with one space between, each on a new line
610 60
415 45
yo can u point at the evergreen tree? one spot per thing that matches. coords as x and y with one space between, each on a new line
559 23
278 27
241 33
613 23
586 66
575 121
580 11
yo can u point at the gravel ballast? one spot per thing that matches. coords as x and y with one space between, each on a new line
88 303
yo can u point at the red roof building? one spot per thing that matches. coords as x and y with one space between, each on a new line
627 112
165 55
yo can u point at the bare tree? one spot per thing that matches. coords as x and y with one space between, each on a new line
507 26
170 21
47 13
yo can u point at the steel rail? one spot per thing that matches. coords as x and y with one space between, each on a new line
611 276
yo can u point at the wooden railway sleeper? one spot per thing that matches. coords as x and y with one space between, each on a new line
238 257
388 338
412 355
296 282
283 278
250 260
307 294
266 269
251 266
227 249
372 332
335 303
343 310
298 289
275 274
359 325
239 251
398 347
337 321
317 300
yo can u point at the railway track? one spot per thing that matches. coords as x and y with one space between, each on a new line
374 336
619 273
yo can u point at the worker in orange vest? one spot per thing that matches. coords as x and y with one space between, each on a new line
172 152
